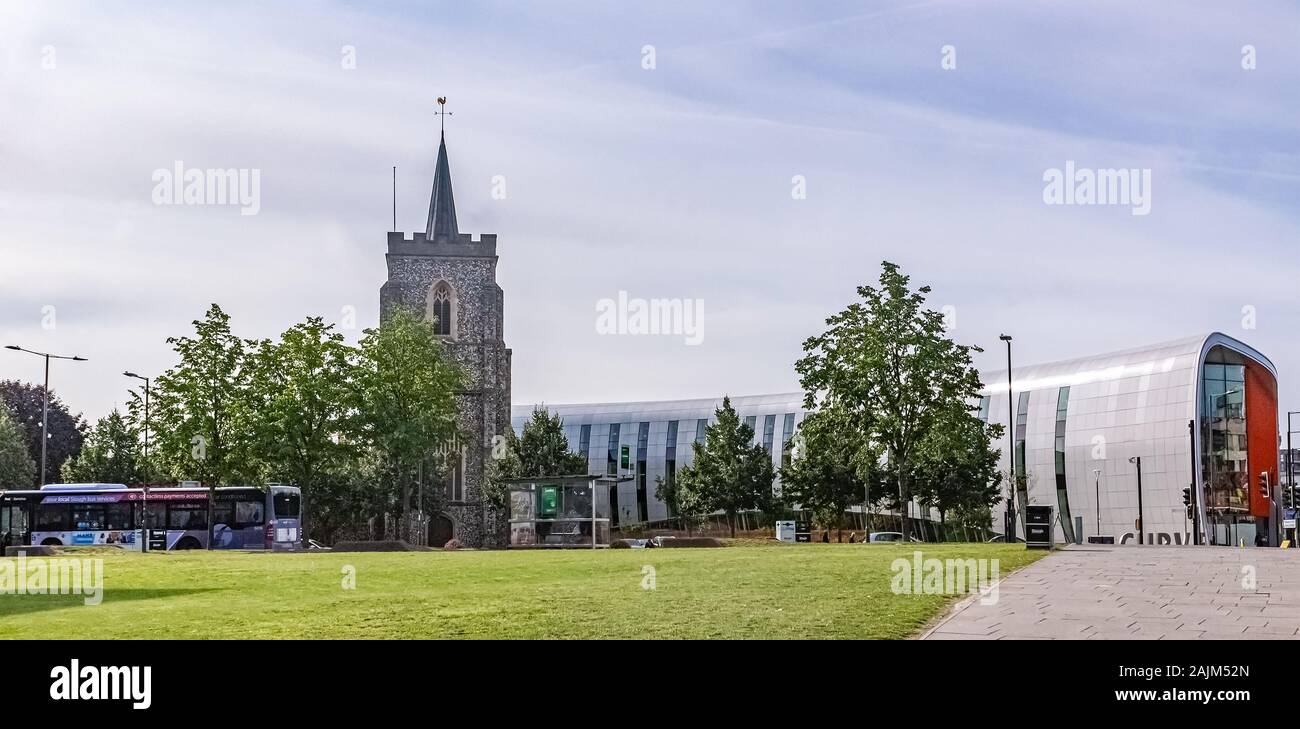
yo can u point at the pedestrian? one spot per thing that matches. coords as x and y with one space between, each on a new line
853 537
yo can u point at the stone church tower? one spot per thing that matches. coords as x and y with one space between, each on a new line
450 278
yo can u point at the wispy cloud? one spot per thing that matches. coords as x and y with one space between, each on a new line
671 182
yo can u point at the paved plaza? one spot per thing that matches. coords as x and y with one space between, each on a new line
1135 592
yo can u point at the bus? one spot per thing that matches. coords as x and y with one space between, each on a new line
153 518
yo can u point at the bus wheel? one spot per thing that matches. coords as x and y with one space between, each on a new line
187 543
51 542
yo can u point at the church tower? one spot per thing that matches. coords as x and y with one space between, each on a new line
450 278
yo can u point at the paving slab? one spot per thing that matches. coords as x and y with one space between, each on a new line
1134 592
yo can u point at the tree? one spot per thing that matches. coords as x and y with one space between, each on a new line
544 449
887 363
66 431
730 472
956 469
201 407
827 473
406 385
110 454
17 468
302 396
505 465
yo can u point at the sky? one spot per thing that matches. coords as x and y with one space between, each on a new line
755 160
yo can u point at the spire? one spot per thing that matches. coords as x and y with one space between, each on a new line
442 208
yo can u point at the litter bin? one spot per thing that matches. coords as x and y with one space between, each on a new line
1038 527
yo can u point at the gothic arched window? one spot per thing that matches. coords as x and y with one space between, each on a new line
440 309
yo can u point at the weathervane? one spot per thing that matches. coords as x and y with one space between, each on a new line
443 113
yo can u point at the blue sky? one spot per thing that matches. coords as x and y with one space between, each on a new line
671 182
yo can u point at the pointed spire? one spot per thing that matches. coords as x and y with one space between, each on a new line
442 208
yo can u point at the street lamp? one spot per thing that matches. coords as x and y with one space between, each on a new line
1140 525
45 395
146 414
1096 475
1010 527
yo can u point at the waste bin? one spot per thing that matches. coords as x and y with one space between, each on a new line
1038 527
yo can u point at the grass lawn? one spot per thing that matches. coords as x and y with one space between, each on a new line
750 591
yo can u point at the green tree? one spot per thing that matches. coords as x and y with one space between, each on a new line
504 465
201 407
829 470
110 454
888 364
301 388
544 449
956 469
730 472
66 431
407 385
17 469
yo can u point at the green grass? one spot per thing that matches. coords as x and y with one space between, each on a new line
779 591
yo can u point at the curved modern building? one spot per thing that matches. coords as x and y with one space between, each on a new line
1198 413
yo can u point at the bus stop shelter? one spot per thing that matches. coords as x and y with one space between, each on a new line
560 511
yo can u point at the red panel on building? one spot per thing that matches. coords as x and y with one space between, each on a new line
1261 433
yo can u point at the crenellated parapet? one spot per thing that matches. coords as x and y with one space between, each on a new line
458 245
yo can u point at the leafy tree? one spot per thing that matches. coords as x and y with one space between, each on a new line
504 465
110 454
544 449
302 396
827 473
66 431
730 472
202 409
956 469
887 363
17 469
342 497
407 385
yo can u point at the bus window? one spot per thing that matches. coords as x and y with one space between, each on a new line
119 516
87 517
187 517
223 512
155 515
287 504
52 518
249 513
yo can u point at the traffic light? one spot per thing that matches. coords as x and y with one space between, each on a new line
1187 500
1263 483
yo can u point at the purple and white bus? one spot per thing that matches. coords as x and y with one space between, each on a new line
157 519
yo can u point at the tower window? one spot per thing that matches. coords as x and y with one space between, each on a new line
439 310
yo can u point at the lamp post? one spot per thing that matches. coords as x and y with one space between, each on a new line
45 395
1140 525
1290 474
1010 527
146 413
1096 475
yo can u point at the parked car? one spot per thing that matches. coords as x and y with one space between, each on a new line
885 537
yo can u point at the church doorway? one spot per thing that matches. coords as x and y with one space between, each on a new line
441 531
